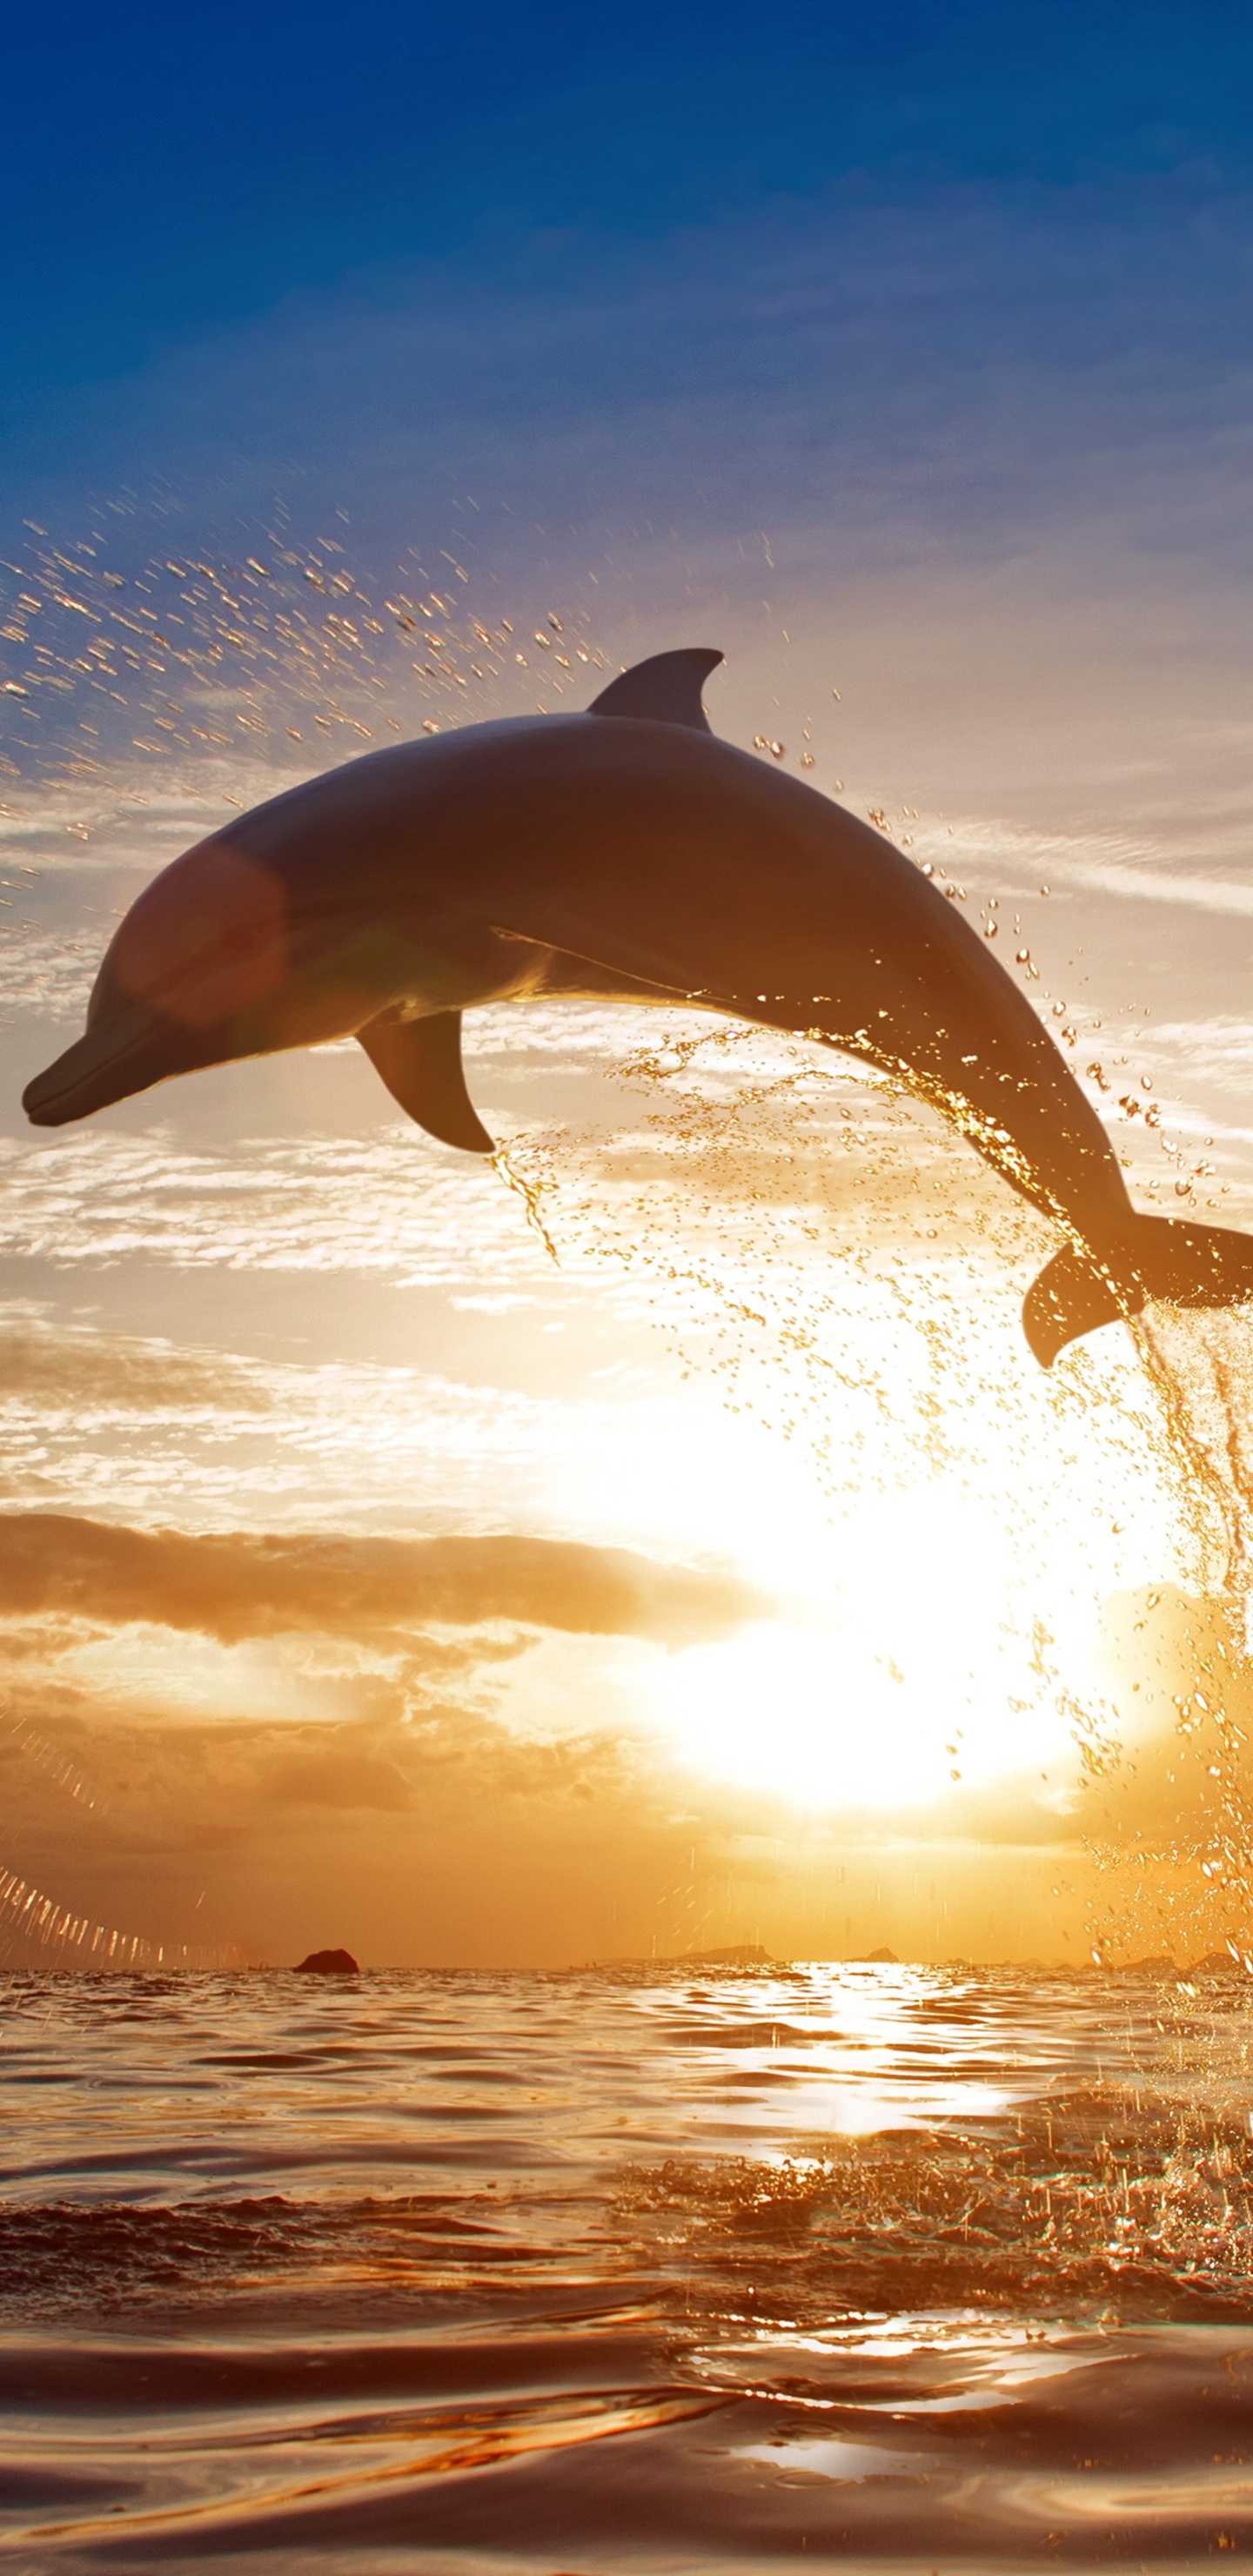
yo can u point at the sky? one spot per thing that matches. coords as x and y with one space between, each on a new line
666 1540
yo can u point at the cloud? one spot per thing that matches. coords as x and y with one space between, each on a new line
437 1836
1146 885
56 1368
112 1424
423 1824
443 1840
246 1585
384 1202
750 1117
340 1776
1192 819
1217 1050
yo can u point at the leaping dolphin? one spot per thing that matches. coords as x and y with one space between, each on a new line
624 853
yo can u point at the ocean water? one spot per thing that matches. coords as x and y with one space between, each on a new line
895 2268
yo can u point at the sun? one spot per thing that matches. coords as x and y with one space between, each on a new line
896 1707
937 1634
932 1523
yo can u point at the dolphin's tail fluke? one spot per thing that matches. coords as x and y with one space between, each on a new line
1154 1257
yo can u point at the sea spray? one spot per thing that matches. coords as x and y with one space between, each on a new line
815 1247
1184 1881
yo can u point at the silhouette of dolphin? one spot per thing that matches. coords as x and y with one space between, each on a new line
624 853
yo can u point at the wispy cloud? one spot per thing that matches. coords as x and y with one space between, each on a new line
247 1585
390 1202
56 1368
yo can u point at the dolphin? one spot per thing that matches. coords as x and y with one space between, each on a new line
621 853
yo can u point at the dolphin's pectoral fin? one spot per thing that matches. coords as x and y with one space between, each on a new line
665 689
420 1062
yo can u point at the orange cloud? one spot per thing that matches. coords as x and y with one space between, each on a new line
242 1584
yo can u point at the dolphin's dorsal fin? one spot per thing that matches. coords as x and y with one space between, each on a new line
420 1062
665 689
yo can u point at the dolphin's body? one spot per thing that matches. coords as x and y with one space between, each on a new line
624 853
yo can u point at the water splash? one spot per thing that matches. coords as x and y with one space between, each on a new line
1201 1366
532 1191
280 654
1192 1879
821 1251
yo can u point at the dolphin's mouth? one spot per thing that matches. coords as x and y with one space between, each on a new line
110 1063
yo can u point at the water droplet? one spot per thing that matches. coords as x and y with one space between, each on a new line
531 1193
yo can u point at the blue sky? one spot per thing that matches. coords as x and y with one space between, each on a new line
647 265
185 170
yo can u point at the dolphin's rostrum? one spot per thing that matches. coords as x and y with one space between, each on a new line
624 853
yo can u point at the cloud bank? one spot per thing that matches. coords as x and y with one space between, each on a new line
244 1584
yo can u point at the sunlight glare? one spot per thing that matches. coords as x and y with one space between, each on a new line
825 1719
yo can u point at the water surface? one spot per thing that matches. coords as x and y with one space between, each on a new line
896 2268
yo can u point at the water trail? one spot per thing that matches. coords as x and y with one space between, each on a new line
532 1194
52 1760
37 1922
772 1202
35 1926
1200 1870
1201 1366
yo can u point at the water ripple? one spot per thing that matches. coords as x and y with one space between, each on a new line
892 2265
